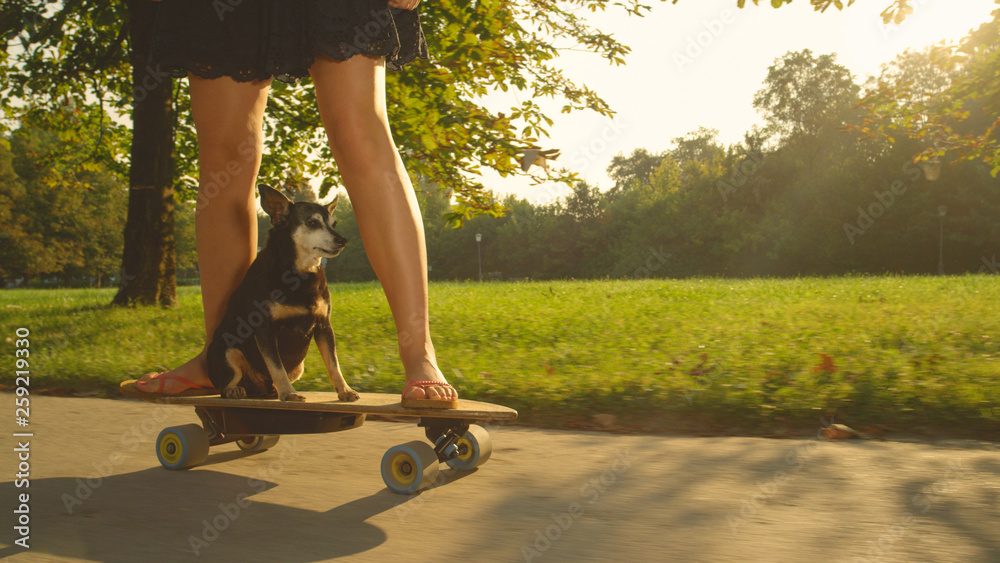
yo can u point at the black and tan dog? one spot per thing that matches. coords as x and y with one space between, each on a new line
280 306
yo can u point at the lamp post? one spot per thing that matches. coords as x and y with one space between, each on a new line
942 209
479 248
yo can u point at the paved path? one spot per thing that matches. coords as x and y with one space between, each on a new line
97 493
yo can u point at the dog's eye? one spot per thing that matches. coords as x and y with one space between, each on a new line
313 224
334 225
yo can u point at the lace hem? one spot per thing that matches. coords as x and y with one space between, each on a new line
259 39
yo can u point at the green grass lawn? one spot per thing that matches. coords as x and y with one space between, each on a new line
712 355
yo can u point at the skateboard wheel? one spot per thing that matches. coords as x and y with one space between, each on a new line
257 443
408 467
178 447
474 449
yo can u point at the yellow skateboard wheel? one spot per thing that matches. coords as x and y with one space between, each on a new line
179 447
408 467
475 448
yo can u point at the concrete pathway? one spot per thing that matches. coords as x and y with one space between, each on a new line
97 493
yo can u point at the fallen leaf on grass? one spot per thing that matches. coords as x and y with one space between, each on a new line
843 432
826 365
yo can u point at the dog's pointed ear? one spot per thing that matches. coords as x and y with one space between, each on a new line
333 204
275 203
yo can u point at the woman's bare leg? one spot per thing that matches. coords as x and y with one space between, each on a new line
351 98
228 116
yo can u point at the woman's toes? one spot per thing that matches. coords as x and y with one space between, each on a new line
147 380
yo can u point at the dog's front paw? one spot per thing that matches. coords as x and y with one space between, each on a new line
235 393
348 394
294 397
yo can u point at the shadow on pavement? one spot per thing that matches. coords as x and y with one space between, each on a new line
162 515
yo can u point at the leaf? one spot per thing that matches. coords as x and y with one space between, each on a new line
428 141
826 365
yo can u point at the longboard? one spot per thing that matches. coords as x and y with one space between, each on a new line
256 425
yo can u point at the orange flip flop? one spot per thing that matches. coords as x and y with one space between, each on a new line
129 388
428 403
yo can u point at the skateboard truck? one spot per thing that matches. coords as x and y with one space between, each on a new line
255 425
215 435
445 434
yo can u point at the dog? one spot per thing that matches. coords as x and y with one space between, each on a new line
280 305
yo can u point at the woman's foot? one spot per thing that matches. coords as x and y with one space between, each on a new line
427 386
194 371
433 394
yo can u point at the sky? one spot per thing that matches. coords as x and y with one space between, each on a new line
699 63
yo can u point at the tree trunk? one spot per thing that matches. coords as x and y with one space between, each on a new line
148 268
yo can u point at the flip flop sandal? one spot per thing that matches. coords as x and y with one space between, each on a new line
129 388
428 403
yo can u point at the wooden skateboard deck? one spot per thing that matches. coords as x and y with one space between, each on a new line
256 425
386 404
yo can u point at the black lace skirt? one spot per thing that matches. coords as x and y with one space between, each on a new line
259 39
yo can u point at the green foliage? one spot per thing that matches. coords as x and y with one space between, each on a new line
81 47
799 205
954 116
896 12
639 167
802 94
62 206
814 201
187 253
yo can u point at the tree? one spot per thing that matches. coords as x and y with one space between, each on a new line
637 168
12 258
698 155
584 204
95 49
148 272
961 121
61 211
802 94
896 11
99 49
